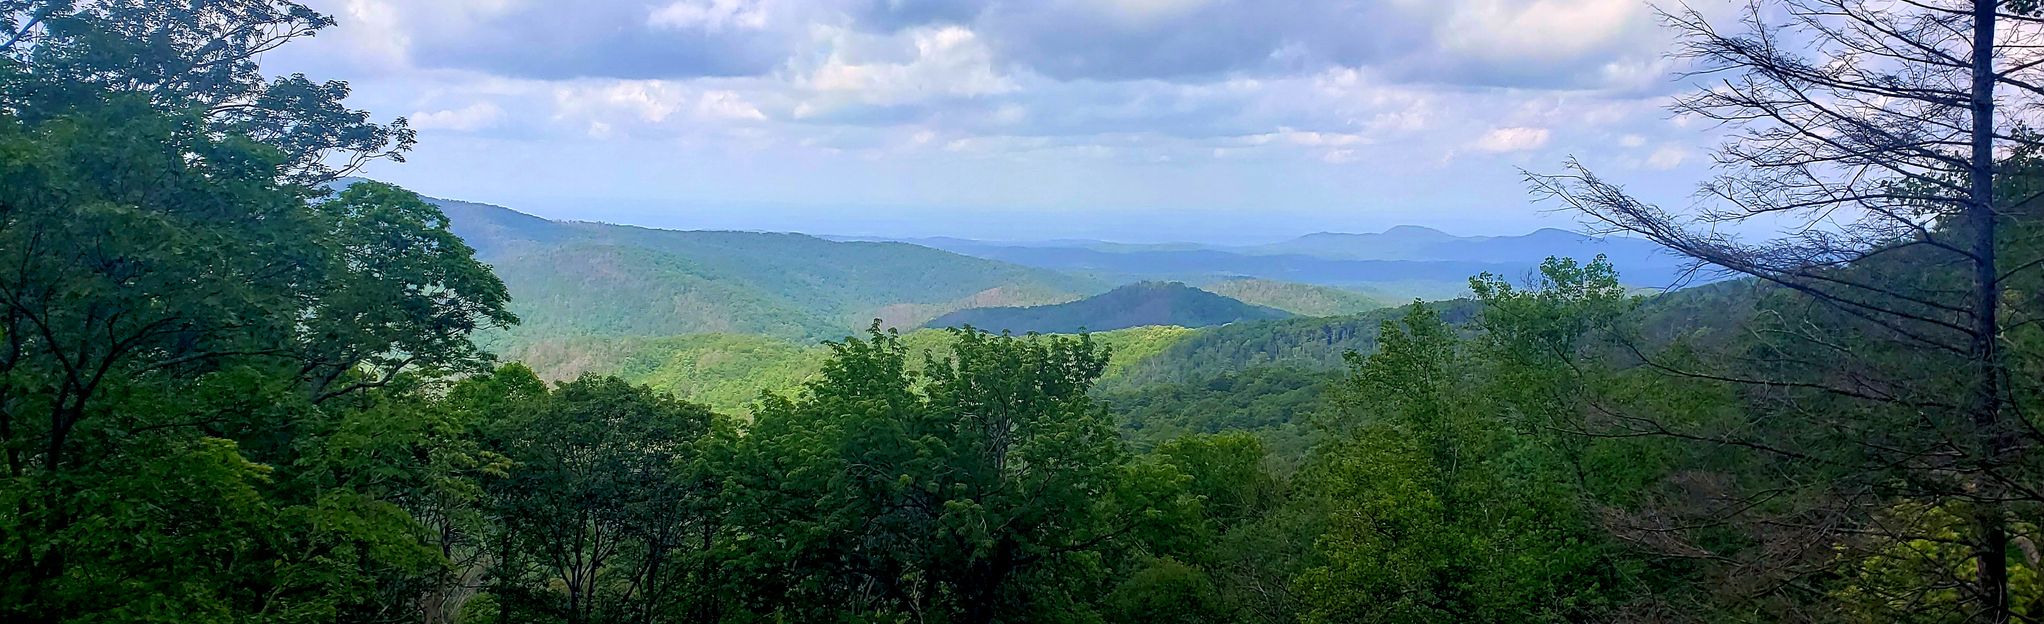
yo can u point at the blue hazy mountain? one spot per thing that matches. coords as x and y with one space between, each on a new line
1402 262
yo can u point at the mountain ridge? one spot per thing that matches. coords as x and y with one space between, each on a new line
1141 304
584 278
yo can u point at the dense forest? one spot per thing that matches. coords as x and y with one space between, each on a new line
235 387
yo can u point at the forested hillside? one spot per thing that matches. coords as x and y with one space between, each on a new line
1308 343
571 280
1134 305
731 371
1296 298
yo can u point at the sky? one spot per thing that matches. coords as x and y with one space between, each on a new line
1224 121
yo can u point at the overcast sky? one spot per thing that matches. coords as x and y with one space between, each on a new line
1139 120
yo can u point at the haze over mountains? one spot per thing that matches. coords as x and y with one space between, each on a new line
1400 263
578 278
719 315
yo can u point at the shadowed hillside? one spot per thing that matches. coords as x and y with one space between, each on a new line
1135 305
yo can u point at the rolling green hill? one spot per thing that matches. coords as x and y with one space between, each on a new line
729 371
1134 305
1300 343
575 280
1296 298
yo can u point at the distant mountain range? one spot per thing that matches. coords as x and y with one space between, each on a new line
1400 263
1134 305
601 297
577 279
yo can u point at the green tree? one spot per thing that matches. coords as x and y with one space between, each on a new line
210 382
1436 512
608 509
987 488
197 57
1236 559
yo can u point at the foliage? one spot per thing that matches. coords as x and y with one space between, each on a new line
988 486
1300 299
1273 402
194 58
1302 343
608 510
1436 512
213 386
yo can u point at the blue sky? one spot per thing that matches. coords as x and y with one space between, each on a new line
1136 120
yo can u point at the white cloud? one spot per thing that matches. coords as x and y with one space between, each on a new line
1313 139
1541 29
1667 157
710 15
944 61
375 33
648 100
1632 140
466 119
1519 139
626 107
727 105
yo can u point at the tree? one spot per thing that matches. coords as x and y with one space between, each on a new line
987 488
197 57
1873 131
1435 510
1234 561
212 404
608 506
401 292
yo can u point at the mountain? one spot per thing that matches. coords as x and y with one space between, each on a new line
577 279
1405 242
1427 279
1403 262
1296 298
1134 305
1297 343
1411 242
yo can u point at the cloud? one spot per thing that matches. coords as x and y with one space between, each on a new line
1541 31
1465 42
1384 85
627 108
1501 140
1667 157
726 105
633 39
466 119
927 62
710 15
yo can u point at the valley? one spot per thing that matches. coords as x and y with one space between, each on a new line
720 317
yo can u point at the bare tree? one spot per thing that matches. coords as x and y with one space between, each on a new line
1874 136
